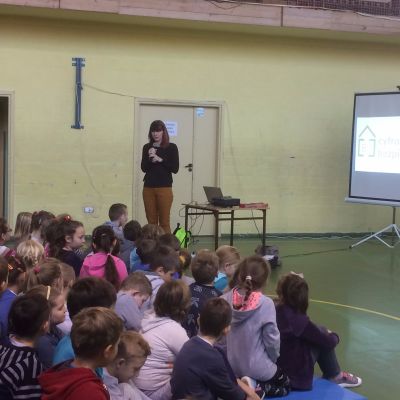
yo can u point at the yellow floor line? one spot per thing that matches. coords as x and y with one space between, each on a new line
353 308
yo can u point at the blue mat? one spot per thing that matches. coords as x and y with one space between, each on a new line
325 390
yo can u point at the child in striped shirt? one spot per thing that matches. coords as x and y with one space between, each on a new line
19 365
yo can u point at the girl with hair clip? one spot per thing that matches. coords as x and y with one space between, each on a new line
304 343
47 343
160 159
66 237
15 285
102 263
253 342
48 274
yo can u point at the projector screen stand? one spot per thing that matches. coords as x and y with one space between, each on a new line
392 227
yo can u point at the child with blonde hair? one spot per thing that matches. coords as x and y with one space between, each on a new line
31 253
22 226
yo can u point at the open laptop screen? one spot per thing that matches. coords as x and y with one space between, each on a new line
212 193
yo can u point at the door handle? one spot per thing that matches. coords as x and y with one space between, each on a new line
189 167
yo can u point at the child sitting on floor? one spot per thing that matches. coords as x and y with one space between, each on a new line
68 278
201 370
95 336
85 292
132 231
204 270
47 343
102 263
229 258
164 263
15 285
135 290
309 342
19 365
133 351
145 249
185 259
253 342
165 335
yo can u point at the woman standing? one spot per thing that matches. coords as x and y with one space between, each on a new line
160 159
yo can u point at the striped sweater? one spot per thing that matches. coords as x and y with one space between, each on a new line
19 369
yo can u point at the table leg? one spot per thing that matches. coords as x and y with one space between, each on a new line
264 226
216 215
232 221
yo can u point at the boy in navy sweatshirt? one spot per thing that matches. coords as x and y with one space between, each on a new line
189 377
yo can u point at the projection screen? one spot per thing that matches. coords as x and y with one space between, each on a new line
375 149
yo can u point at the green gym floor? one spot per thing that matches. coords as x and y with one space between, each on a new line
354 292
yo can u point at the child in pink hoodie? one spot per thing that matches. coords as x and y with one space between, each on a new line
102 263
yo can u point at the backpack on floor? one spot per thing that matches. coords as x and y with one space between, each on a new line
183 236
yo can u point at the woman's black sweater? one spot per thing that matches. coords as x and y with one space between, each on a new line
159 174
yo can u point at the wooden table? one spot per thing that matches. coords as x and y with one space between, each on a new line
228 214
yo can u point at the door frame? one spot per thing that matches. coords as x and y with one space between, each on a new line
9 175
137 152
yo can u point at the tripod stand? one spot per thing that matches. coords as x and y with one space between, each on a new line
392 227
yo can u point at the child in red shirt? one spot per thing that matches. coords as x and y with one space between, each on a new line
95 336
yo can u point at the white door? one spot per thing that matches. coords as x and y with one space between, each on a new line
195 130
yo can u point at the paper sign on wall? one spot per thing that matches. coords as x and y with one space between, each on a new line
172 127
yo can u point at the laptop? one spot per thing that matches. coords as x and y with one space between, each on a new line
212 193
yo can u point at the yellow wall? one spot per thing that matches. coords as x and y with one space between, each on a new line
287 119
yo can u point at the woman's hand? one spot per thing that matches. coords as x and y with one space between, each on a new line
152 152
155 159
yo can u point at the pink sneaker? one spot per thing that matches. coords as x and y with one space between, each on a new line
347 380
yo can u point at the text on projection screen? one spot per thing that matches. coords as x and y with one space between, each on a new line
378 145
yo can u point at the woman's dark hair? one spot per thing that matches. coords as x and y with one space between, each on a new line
215 316
27 315
157 126
252 274
90 292
104 240
292 291
57 233
132 231
173 300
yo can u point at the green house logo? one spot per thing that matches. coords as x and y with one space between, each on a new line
366 143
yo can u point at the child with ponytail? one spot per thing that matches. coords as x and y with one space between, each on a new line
102 263
254 340
47 273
